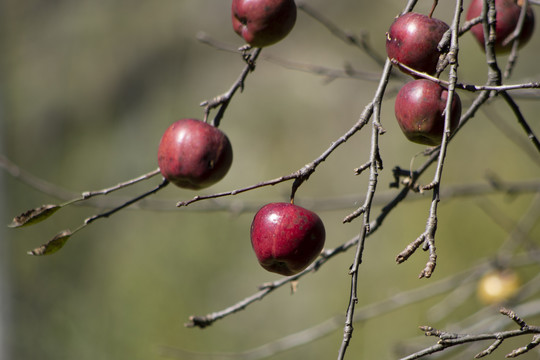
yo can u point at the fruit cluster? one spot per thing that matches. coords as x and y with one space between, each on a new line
193 154
287 238
414 40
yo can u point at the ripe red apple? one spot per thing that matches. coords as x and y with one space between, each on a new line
420 108
286 238
413 39
507 17
263 22
193 154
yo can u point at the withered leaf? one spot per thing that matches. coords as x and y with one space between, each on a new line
52 245
34 216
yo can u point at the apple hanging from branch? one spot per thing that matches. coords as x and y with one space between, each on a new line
193 154
420 111
286 238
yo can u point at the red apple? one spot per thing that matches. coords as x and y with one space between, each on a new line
507 17
286 238
420 108
263 22
193 154
413 39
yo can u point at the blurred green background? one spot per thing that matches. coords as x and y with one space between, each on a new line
88 87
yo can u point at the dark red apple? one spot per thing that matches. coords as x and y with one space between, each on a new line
413 39
193 154
507 17
286 238
263 22
420 111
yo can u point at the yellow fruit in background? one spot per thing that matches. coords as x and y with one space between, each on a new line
498 286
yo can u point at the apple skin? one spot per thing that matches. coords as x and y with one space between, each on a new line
286 238
193 154
507 17
419 110
413 39
263 22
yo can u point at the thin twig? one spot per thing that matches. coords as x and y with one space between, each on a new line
366 312
375 165
106 214
89 194
514 38
467 25
431 225
237 207
521 120
204 321
468 87
300 175
239 191
509 132
351 39
222 101
60 239
447 339
347 72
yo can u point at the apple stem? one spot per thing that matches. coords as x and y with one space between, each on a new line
435 2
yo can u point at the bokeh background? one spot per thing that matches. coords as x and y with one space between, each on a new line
86 90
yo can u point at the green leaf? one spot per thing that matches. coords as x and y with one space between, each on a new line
53 245
34 216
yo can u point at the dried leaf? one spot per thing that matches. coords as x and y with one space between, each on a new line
52 245
34 215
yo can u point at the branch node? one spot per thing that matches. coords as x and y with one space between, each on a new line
361 168
199 321
354 215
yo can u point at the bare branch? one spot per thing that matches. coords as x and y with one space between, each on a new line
363 313
237 207
468 87
106 214
348 72
514 39
521 120
447 339
431 225
375 163
203 321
